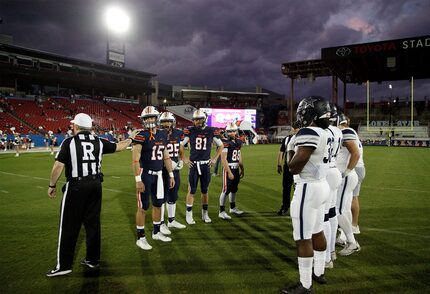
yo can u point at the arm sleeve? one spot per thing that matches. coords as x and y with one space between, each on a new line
283 147
348 134
218 141
108 147
307 137
64 153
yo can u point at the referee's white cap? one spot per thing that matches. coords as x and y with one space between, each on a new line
83 120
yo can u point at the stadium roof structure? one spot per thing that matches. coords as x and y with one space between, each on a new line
389 60
223 92
29 66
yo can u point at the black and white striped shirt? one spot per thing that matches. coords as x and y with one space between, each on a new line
82 154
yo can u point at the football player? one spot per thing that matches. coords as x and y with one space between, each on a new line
334 179
231 159
200 137
346 161
174 136
308 161
149 153
361 174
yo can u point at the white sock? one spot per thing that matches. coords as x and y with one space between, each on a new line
232 197
305 271
319 262
162 213
171 210
222 199
327 234
333 224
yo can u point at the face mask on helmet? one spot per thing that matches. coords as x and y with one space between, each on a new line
167 120
199 118
149 117
231 130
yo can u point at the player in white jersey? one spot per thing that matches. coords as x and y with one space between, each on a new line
334 179
346 161
308 161
361 174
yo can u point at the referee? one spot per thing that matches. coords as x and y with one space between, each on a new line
287 177
81 156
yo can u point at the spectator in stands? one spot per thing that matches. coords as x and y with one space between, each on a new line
17 143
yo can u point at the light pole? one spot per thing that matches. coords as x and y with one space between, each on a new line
117 22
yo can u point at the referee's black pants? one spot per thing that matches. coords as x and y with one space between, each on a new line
81 204
287 184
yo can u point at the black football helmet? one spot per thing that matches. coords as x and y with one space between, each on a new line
314 109
342 118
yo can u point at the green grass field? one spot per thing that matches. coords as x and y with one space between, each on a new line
254 253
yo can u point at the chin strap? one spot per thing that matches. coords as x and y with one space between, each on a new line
151 135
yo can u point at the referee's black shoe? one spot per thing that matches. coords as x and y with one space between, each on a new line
58 272
90 264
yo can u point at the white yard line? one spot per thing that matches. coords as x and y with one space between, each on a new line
4 191
397 232
47 180
396 189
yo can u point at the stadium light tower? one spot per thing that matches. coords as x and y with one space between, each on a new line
118 23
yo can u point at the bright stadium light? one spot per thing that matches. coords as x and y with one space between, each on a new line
117 20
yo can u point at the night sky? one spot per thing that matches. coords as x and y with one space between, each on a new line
236 44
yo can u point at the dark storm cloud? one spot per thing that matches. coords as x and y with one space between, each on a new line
235 44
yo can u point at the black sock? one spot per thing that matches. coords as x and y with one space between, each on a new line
140 233
232 205
221 208
205 206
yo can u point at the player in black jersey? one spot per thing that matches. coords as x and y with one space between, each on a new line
149 154
233 170
174 137
200 138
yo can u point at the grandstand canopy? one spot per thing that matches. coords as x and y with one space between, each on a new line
21 66
388 60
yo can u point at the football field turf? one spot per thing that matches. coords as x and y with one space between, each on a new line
254 253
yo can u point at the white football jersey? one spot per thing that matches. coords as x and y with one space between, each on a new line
317 166
344 155
337 136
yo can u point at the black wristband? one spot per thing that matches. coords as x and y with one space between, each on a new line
55 186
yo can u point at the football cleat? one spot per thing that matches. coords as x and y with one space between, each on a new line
159 236
89 264
189 218
297 289
205 217
356 230
319 279
165 230
350 248
224 215
58 272
143 244
177 225
333 256
329 264
236 211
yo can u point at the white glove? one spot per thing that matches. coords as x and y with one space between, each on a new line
346 173
133 134
179 165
